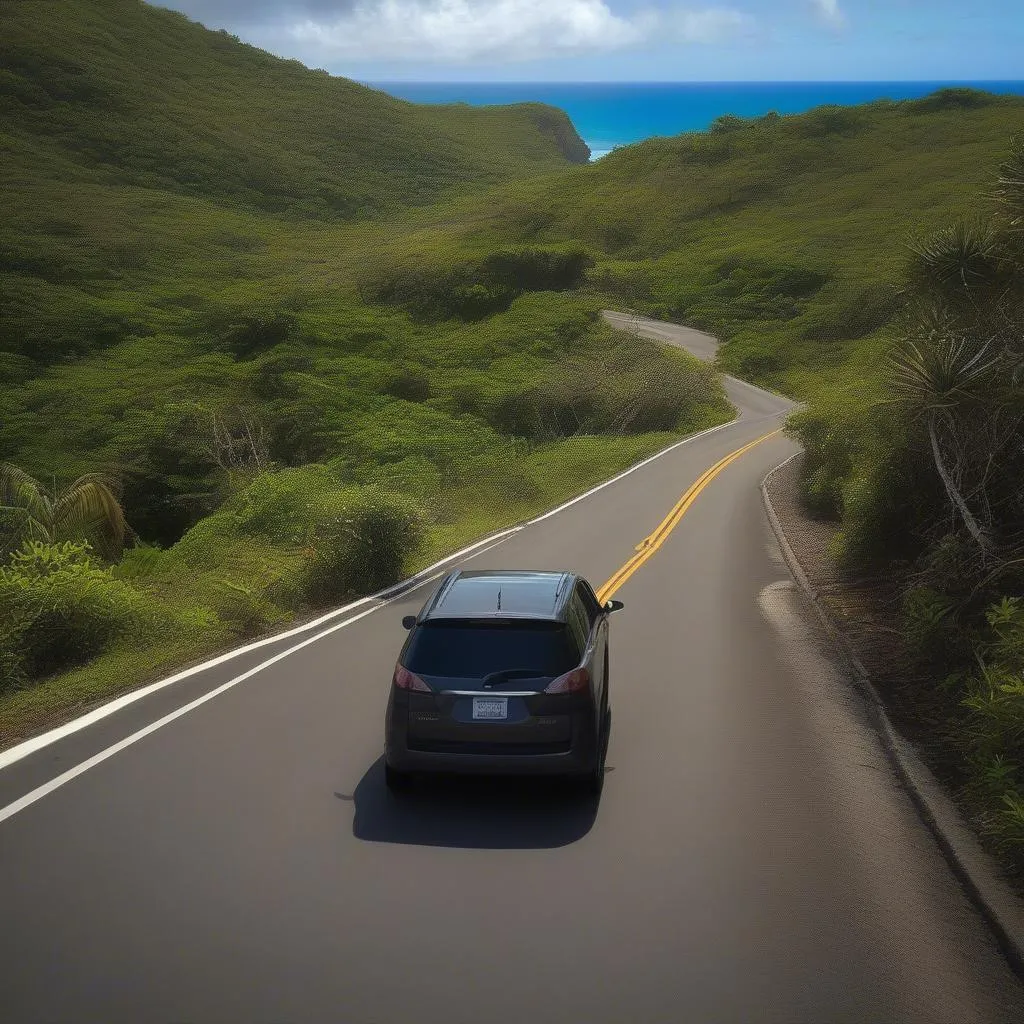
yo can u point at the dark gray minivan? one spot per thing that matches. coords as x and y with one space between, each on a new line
503 672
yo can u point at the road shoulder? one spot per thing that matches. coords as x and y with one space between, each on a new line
805 546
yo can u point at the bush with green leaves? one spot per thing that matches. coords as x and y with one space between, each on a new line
992 737
849 311
345 540
472 288
59 609
738 290
244 609
363 545
826 461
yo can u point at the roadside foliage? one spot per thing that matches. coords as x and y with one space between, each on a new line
926 480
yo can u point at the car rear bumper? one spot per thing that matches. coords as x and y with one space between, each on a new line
567 763
578 756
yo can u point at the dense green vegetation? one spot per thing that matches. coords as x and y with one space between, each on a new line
292 402
124 93
110 112
785 236
926 480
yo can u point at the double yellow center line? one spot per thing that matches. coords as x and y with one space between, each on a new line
647 547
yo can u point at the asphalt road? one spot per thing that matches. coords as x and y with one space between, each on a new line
752 857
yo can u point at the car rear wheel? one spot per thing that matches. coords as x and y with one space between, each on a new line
593 782
396 781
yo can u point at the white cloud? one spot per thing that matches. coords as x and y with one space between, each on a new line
711 25
474 31
830 12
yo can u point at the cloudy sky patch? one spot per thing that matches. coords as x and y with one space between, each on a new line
633 40
505 30
829 12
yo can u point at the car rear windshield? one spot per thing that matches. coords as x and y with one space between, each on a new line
469 650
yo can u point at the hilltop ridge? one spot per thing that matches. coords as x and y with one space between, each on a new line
126 93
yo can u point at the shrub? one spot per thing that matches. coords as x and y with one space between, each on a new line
928 623
827 460
59 609
888 495
364 546
414 475
245 610
472 289
245 332
728 123
410 383
853 313
952 99
435 291
349 540
140 562
532 269
830 120
284 507
628 282
629 388
993 734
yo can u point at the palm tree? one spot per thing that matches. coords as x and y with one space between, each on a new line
1010 186
936 379
87 509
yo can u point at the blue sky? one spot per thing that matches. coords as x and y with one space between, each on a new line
634 40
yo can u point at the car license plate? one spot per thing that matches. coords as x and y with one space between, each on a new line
490 707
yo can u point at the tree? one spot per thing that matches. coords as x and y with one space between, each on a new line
959 366
87 509
1009 189
936 379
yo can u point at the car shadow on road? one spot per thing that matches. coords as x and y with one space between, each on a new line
471 812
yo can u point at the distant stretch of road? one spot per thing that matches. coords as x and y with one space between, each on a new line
752 857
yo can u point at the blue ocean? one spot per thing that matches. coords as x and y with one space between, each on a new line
609 114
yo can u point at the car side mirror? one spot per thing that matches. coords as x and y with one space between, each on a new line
613 606
409 621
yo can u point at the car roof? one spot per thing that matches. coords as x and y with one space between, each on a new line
501 594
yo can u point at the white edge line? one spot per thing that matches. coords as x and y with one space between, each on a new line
72 773
48 787
31 746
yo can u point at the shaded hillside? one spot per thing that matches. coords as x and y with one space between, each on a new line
125 93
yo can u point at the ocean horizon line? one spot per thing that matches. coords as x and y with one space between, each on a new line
614 82
609 114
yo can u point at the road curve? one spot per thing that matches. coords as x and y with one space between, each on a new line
752 857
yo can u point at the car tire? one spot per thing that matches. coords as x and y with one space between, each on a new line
396 781
593 782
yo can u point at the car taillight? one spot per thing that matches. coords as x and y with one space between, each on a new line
572 682
406 680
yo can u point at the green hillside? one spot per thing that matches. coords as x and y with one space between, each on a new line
188 306
120 92
786 236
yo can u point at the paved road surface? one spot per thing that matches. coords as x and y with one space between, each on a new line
751 859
